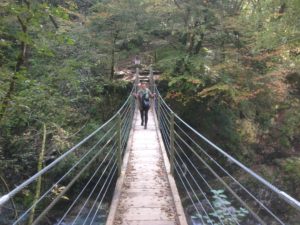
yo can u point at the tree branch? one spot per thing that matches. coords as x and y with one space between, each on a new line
23 26
53 21
177 4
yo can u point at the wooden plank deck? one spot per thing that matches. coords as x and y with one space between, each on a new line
143 194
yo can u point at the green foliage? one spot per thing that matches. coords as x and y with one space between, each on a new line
231 69
223 210
63 82
289 169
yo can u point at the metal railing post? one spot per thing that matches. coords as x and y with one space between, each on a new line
151 79
158 111
172 150
132 107
119 139
137 74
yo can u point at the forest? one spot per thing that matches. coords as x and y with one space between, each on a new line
230 68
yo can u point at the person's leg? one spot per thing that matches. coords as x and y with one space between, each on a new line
146 117
142 116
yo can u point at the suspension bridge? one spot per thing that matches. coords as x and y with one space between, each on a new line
168 174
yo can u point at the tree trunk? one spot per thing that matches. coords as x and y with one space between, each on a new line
9 93
20 62
191 43
39 180
113 51
199 44
112 66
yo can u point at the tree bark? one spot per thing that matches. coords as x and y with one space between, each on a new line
113 50
20 62
39 180
112 66
53 21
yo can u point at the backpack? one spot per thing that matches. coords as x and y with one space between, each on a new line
145 100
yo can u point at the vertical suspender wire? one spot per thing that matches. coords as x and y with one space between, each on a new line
194 193
67 173
126 127
113 168
93 190
125 110
172 140
224 183
200 189
164 132
166 139
165 135
236 181
50 206
86 185
44 170
190 197
165 118
119 146
164 110
111 178
210 188
283 195
12 193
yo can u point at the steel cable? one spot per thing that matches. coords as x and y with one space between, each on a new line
67 173
236 181
79 195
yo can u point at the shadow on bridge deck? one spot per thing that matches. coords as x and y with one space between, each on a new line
146 193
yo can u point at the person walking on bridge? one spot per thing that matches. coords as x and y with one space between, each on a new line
143 96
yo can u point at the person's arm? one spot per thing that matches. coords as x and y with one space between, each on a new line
152 95
137 94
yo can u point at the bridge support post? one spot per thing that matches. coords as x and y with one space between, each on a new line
158 111
119 150
137 78
172 148
151 79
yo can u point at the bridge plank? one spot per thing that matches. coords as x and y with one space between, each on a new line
146 197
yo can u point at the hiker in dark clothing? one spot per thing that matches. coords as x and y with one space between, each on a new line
143 96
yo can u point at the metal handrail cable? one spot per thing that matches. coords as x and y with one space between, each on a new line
165 118
100 203
86 185
94 188
236 181
164 131
50 206
16 190
125 133
195 181
165 134
67 173
191 188
223 182
95 201
290 200
190 197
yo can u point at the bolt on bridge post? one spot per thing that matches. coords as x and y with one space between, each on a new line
172 150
